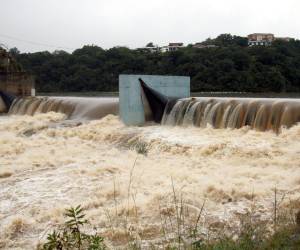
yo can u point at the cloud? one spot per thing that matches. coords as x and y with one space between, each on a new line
133 23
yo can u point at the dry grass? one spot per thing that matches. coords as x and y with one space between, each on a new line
13 230
180 230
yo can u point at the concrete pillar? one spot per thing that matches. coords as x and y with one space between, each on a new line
132 111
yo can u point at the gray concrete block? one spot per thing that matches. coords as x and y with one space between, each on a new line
131 105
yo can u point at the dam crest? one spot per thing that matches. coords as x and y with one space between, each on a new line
259 114
81 108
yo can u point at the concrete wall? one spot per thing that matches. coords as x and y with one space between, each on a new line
18 83
131 105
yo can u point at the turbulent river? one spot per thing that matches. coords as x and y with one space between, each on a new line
127 177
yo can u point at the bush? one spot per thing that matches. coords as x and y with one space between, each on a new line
70 236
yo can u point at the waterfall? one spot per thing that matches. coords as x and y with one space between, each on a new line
259 114
72 107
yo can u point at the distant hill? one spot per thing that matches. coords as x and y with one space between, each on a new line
229 66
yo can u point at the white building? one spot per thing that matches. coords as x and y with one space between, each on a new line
263 39
150 48
172 47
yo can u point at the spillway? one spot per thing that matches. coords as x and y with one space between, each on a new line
225 112
73 107
259 114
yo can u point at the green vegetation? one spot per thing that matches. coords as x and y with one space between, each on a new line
178 228
249 235
8 63
231 66
255 237
70 236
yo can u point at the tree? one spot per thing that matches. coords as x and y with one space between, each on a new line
150 44
14 52
231 66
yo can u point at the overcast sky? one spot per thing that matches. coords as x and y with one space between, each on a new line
73 23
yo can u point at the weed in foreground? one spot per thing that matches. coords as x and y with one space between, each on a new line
179 229
134 143
250 235
70 235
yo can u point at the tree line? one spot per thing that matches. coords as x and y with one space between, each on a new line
230 66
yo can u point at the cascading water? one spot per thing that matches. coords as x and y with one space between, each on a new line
259 114
72 107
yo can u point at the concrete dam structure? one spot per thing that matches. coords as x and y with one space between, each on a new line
257 113
141 102
134 104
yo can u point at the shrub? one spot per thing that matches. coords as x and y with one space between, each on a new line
70 235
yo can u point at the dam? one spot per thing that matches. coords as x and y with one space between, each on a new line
258 113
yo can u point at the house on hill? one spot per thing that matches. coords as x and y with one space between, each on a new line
172 47
150 47
265 39
260 39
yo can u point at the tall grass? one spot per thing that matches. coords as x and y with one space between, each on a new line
250 235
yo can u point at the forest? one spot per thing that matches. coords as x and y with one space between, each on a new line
229 66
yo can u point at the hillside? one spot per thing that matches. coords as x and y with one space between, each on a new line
231 66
